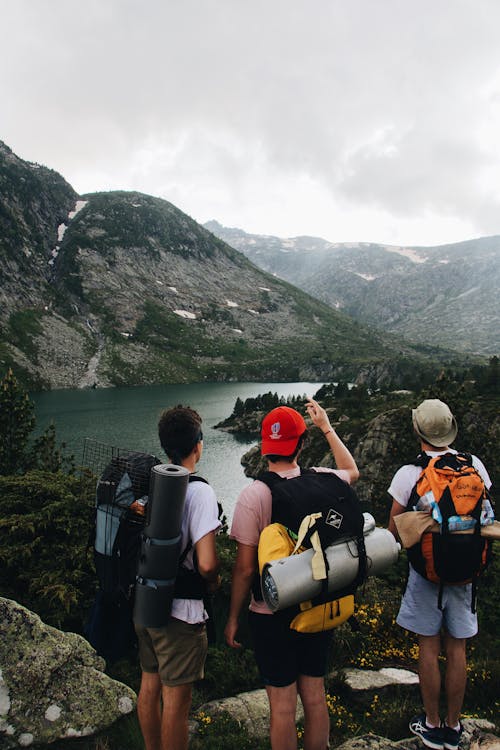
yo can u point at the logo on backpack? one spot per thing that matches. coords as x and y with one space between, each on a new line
334 518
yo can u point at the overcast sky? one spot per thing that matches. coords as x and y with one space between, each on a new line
373 120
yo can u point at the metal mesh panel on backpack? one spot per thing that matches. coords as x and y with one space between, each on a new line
122 477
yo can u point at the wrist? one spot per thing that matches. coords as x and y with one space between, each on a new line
325 432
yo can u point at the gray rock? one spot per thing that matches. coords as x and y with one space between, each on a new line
372 679
251 709
52 684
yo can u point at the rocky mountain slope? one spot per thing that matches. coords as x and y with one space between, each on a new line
124 288
444 295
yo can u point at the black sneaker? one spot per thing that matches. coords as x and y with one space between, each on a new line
431 737
451 737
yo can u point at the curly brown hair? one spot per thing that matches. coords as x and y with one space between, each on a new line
179 430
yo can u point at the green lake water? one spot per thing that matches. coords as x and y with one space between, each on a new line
128 417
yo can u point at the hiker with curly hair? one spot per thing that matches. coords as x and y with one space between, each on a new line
173 657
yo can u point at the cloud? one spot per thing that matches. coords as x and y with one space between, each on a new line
354 120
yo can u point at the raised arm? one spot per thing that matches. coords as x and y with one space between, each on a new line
341 454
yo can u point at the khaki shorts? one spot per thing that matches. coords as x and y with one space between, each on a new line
177 652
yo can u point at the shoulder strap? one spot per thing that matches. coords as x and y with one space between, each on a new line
196 478
422 460
185 552
272 478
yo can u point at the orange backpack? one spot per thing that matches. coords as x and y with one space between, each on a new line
452 489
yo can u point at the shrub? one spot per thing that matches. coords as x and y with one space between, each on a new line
44 555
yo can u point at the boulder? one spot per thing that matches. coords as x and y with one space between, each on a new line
250 709
52 684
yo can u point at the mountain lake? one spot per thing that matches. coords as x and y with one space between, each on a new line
127 417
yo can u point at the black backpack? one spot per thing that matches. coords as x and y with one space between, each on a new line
341 517
117 537
118 528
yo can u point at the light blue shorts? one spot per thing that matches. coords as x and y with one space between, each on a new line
419 611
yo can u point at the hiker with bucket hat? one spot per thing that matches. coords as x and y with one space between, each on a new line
439 613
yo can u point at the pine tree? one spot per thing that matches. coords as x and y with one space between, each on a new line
239 408
16 424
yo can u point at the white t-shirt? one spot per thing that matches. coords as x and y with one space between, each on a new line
406 477
200 518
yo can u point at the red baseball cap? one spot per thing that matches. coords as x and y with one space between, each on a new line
280 431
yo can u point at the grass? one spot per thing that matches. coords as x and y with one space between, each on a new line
379 642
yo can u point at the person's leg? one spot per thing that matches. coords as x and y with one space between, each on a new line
174 718
430 676
149 711
283 707
316 719
455 678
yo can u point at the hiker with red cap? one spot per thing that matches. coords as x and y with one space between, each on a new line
290 663
439 614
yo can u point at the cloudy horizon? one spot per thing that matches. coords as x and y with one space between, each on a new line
351 121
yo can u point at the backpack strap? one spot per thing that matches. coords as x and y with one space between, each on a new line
422 460
272 478
196 478
185 552
194 574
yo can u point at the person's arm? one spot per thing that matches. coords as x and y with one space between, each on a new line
341 454
244 571
396 509
206 555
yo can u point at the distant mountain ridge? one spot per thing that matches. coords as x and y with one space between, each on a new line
444 295
124 288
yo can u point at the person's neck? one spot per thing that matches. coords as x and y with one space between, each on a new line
432 448
189 463
282 465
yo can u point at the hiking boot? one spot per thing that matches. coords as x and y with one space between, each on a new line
431 737
451 737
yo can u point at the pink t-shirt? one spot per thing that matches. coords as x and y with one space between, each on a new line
253 513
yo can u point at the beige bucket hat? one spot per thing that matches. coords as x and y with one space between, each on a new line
434 422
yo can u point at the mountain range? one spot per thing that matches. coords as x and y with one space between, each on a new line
443 295
124 288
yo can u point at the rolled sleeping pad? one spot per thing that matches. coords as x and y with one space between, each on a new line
158 558
167 495
289 581
160 546
153 602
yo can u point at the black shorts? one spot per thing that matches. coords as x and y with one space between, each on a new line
283 654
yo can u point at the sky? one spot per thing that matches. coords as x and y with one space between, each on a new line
351 120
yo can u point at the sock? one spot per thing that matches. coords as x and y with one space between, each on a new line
456 729
429 725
